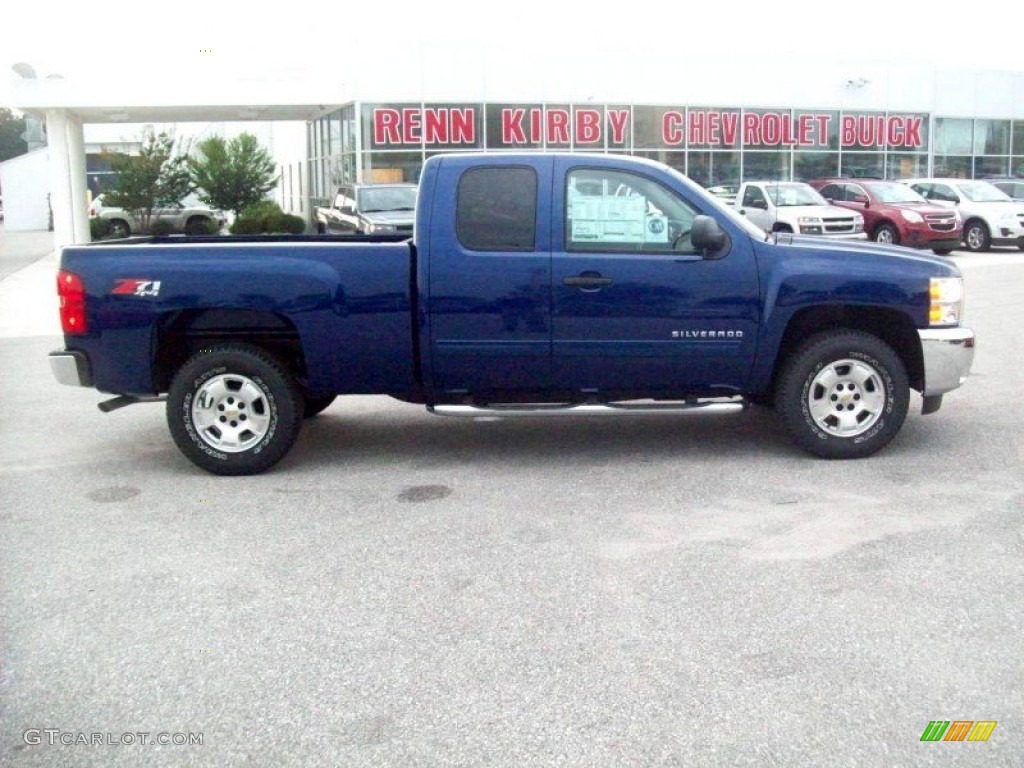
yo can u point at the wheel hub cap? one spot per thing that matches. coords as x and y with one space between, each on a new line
846 398
231 413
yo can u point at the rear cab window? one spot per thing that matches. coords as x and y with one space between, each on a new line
496 209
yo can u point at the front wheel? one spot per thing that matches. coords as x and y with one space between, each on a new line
119 229
942 251
234 410
887 233
843 395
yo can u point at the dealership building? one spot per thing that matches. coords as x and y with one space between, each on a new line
846 118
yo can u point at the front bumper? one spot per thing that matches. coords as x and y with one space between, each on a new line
71 368
948 354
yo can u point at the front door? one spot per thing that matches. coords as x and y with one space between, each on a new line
636 310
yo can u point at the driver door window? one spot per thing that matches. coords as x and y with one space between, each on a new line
614 211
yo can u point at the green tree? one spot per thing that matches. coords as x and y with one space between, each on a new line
11 128
157 177
232 174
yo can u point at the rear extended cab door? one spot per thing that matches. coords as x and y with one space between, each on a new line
487 298
636 310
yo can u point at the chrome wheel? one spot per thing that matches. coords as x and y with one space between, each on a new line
886 234
231 413
976 237
846 398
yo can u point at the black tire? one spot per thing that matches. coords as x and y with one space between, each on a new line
976 236
196 226
942 251
314 404
119 228
860 411
886 233
236 380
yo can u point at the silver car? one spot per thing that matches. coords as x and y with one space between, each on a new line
190 217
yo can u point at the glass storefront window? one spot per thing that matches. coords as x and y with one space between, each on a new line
659 127
957 167
1018 138
675 160
808 166
862 164
991 166
906 166
712 128
767 166
391 167
1017 166
991 137
953 136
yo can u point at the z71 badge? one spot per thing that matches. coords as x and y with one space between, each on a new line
123 287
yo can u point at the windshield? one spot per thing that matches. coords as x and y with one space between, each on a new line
794 193
891 192
376 199
982 192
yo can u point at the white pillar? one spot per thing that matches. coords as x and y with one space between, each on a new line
79 201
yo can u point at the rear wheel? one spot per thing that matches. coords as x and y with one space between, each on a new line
887 233
843 395
976 236
119 228
234 410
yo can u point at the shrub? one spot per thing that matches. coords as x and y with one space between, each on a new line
266 217
206 227
161 228
99 229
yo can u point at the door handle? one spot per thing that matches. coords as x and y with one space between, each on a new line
588 281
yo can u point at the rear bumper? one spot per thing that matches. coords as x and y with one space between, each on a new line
71 368
948 354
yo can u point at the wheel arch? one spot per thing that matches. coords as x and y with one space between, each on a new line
179 335
890 325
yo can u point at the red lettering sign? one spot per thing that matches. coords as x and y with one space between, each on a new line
588 126
672 128
618 119
385 126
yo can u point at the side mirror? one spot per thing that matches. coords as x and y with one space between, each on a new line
763 205
348 210
863 199
706 235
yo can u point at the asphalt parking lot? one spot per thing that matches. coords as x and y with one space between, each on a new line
402 590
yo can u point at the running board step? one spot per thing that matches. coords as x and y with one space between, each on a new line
583 409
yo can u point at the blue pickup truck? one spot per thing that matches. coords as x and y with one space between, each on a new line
534 283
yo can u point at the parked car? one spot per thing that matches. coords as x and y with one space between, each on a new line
368 209
895 213
189 216
1013 188
990 217
793 206
726 193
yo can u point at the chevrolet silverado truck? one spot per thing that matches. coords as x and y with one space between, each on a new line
535 284
368 209
792 206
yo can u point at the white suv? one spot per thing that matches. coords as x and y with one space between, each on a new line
990 217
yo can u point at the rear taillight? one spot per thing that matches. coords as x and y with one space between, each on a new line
71 292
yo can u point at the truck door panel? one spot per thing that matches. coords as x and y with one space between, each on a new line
635 309
490 277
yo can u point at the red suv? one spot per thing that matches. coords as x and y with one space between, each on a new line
894 213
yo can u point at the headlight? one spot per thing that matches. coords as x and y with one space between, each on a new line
947 300
377 228
912 216
858 224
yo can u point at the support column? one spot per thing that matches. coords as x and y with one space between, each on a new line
79 187
61 204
